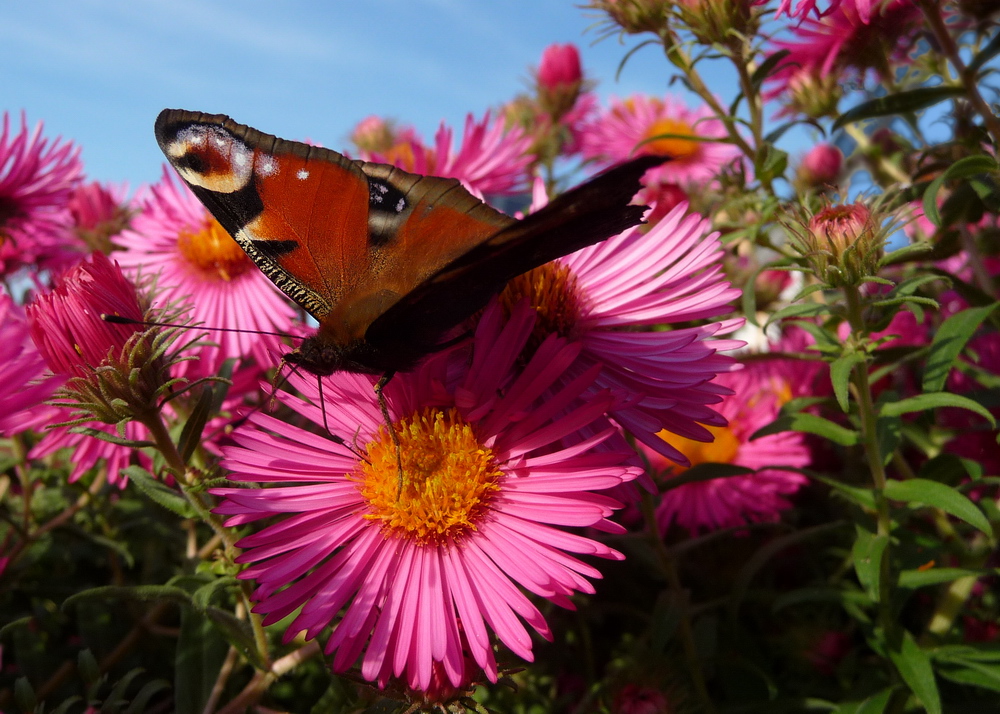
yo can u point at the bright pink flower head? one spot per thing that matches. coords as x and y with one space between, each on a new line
821 165
22 387
99 213
847 42
803 8
560 66
375 134
416 578
758 393
490 160
646 125
611 296
198 265
37 178
641 699
66 322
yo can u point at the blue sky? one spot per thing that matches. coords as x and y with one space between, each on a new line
99 71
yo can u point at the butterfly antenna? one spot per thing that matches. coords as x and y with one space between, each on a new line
119 320
384 407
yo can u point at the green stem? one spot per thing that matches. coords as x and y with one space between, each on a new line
932 11
876 463
669 566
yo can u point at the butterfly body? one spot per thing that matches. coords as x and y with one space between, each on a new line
387 262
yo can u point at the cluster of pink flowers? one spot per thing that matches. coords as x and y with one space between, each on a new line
420 557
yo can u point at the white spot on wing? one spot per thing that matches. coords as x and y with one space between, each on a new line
301 174
266 165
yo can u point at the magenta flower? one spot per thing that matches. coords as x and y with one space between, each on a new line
201 267
759 391
846 43
630 127
490 160
37 178
600 295
66 326
560 66
22 387
821 165
100 212
422 575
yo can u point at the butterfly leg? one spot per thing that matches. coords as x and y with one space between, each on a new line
384 407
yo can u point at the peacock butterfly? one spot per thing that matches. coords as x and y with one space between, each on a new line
387 261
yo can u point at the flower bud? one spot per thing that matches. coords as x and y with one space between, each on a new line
820 167
559 79
844 244
635 16
115 371
815 95
718 21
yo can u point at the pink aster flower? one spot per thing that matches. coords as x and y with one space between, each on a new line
847 42
199 265
79 346
490 160
630 127
423 574
758 393
37 177
100 212
609 296
22 387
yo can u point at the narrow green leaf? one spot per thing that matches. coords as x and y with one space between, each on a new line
986 54
811 309
766 67
949 341
707 471
199 656
914 666
934 400
823 595
111 438
116 698
809 424
900 103
868 551
159 492
840 375
914 579
974 673
876 703
963 168
140 703
137 593
864 497
938 495
195 425
238 633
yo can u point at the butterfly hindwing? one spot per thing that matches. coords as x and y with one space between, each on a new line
577 218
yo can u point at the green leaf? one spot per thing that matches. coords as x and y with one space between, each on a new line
821 594
986 54
875 704
974 673
963 168
840 375
914 579
899 103
868 551
111 438
938 495
199 657
159 492
766 67
706 471
137 593
809 424
949 341
238 633
140 703
934 400
864 497
811 309
195 425
116 698
914 665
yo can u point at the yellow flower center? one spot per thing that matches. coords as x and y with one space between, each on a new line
721 450
213 251
448 478
674 146
401 155
551 289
